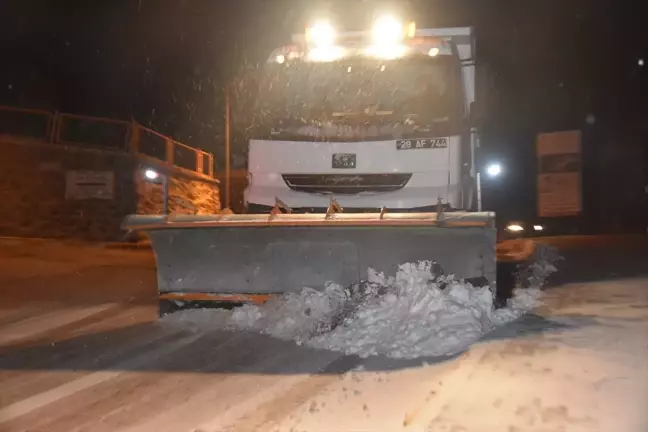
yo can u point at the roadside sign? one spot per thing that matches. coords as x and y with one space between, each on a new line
559 174
80 185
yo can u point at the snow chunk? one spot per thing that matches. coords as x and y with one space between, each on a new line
293 316
542 266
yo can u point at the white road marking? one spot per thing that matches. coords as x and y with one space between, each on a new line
30 404
238 394
33 326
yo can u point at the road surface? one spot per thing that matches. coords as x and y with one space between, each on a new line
81 350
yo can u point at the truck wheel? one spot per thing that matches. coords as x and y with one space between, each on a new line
505 282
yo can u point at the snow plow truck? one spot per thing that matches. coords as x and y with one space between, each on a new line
363 155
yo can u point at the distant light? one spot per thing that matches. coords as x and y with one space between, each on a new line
515 228
590 119
151 174
433 52
281 59
640 62
493 170
538 227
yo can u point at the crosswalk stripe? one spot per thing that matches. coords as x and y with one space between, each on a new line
33 326
40 400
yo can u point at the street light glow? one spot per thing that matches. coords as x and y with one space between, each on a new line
514 227
493 170
151 174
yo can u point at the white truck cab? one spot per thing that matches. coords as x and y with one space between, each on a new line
370 121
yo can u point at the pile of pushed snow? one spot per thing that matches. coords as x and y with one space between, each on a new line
412 314
293 316
542 266
415 318
422 315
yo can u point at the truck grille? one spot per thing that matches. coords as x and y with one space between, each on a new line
346 184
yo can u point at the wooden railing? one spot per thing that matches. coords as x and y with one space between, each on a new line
103 133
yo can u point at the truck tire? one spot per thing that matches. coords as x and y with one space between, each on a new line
505 282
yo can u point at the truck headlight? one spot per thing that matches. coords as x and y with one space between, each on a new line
322 34
387 30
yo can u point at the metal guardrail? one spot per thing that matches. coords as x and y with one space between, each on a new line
103 133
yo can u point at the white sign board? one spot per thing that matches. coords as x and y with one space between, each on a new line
559 174
81 185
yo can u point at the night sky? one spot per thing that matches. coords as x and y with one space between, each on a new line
549 64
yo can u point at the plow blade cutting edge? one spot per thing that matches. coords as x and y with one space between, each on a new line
248 257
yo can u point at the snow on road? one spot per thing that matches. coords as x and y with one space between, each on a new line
577 362
579 366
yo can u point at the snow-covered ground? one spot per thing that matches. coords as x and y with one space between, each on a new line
409 315
576 362
578 365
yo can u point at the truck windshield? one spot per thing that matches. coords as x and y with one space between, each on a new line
359 99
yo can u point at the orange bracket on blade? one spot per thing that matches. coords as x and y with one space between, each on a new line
229 298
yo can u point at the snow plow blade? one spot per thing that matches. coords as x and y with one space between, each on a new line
239 256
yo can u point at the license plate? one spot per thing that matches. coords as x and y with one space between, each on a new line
424 143
344 160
